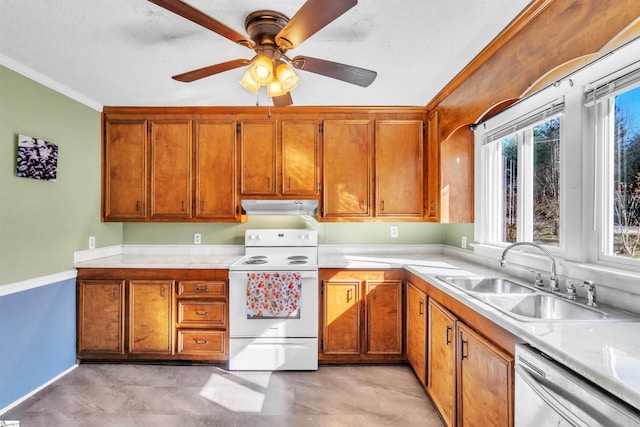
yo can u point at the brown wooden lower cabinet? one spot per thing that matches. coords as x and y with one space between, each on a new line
361 316
417 331
470 379
149 315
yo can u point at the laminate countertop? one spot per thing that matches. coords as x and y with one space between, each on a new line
606 352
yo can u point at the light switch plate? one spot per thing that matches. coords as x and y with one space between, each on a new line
197 238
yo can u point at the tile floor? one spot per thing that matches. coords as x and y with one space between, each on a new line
121 395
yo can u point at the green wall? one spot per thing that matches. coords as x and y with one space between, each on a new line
328 233
43 223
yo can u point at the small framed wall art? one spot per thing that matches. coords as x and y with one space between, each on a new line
37 159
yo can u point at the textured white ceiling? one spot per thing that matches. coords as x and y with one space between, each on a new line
123 52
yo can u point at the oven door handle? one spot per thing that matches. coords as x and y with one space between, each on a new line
550 398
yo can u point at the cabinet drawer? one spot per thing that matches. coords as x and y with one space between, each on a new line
208 313
202 288
202 342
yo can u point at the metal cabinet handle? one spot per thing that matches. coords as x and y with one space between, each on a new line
421 308
200 342
349 294
362 206
383 206
289 182
201 313
449 328
462 347
137 205
268 182
202 288
202 206
164 293
113 294
182 206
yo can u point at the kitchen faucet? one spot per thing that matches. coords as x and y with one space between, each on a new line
553 279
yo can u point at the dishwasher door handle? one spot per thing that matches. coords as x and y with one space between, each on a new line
549 397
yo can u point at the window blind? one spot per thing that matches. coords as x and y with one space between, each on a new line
523 122
611 87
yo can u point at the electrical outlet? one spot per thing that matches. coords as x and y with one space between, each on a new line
92 242
463 243
394 231
197 238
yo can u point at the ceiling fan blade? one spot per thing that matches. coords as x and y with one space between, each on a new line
311 18
194 15
283 100
346 73
200 73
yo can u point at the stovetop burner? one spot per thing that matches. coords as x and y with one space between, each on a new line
255 261
297 262
297 257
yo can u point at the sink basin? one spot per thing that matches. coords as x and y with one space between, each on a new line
490 285
544 307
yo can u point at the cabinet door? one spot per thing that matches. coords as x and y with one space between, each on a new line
384 317
258 158
485 382
347 166
341 317
100 319
442 361
215 170
171 169
150 316
300 154
125 170
417 331
399 164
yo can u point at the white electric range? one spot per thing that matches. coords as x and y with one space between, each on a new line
275 340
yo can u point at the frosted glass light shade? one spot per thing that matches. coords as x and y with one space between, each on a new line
287 78
248 83
275 89
262 71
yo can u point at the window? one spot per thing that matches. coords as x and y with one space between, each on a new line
621 226
527 176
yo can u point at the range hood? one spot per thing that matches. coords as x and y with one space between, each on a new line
280 207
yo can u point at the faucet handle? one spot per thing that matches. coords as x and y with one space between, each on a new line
571 290
538 281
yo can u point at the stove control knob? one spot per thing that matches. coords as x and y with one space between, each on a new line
254 237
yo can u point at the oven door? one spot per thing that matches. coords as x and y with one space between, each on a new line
242 326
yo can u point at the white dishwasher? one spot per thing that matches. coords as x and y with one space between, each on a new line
549 394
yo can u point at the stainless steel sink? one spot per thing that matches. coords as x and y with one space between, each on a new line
544 307
492 285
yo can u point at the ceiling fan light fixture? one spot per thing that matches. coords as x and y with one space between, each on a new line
262 70
275 89
287 78
248 83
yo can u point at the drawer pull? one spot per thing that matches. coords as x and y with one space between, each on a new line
202 288
201 313
203 342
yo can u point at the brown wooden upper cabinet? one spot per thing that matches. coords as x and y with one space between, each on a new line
300 158
279 158
399 165
171 155
125 170
258 145
215 185
347 169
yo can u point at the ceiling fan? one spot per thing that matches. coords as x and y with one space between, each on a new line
271 35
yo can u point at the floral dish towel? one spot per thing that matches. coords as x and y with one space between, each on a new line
274 294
